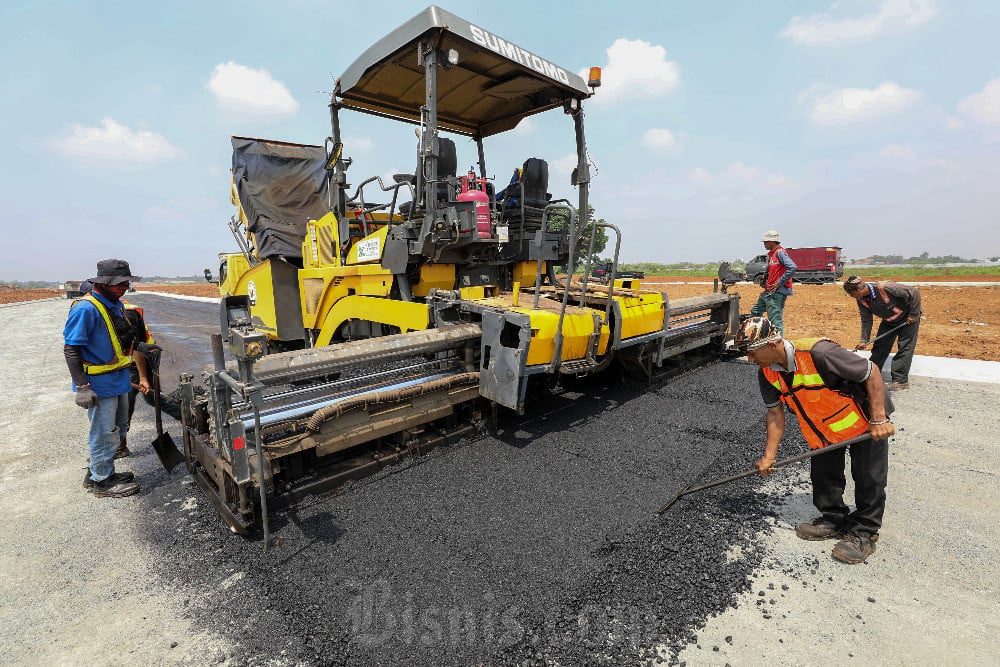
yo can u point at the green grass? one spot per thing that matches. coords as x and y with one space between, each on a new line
878 272
908 271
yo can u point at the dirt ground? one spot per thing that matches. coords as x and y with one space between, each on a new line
961 322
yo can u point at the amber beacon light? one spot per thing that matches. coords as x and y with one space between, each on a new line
595 77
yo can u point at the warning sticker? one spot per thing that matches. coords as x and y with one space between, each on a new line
369 250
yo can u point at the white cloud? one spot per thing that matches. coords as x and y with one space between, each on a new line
636 69
238 87
358 143
828 106
741 177
880 16
984 106
660 140
113 141
564 165
526 126
897 152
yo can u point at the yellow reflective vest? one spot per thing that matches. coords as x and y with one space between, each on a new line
825 416
121 359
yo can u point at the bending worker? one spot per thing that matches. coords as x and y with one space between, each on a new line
777 282
836 395
899 307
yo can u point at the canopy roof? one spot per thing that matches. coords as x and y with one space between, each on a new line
494 85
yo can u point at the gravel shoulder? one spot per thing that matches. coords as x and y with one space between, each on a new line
928 595
134 581
79 581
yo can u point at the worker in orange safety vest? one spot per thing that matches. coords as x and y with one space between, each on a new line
836 395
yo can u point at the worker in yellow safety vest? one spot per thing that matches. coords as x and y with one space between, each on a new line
836 395
99 349
139 371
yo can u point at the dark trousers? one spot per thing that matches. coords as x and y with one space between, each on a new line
907 337
869 469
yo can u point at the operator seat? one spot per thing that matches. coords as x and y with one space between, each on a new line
447 167
534 179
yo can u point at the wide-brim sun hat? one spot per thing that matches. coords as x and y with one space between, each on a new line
114 272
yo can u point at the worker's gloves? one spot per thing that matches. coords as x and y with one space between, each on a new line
911 320
85 397
146 348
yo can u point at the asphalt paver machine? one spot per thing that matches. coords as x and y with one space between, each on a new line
366 324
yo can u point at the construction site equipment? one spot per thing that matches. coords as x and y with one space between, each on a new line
687 490
364 329
170 457
608 272
815 265
72 288
728 277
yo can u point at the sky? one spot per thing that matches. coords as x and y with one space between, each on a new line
873 125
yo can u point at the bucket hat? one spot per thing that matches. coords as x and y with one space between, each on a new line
114 272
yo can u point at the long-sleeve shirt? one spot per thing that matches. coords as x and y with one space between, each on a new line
893 302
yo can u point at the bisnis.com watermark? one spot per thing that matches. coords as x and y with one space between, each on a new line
378 616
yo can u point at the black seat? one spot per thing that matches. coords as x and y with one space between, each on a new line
534 179
536 182
447 167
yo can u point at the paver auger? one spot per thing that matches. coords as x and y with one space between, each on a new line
365 331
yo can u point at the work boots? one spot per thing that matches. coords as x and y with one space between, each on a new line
855 547
122 451
88 482
896 386
114 487
819 528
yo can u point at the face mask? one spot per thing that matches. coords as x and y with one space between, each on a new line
115 291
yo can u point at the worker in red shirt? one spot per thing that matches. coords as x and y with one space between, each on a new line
777 284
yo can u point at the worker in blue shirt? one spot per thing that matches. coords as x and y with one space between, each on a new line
777 283
99 342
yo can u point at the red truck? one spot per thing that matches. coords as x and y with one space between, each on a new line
815 265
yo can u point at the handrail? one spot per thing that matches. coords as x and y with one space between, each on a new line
557 204
614 266
557 353
365 209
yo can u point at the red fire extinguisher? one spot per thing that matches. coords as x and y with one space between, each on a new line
474 189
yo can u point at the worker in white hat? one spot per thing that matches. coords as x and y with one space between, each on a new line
777 282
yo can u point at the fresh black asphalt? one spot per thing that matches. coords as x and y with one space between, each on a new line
536 542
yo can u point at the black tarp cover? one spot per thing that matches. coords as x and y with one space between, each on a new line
281 187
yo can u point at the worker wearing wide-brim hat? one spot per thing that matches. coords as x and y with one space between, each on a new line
837 395
777 281
99 342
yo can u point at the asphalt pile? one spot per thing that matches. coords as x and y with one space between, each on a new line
536 543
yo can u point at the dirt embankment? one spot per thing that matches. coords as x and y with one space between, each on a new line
961 322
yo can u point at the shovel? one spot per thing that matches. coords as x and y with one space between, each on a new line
777 464
163 445
884 334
